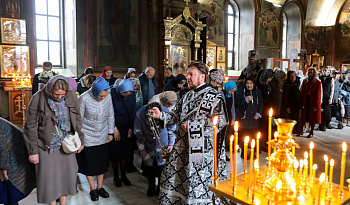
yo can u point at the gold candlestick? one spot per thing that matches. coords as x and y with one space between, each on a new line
343 161
246 141
275 135
215 151
293 148
278 189
311 156
269 132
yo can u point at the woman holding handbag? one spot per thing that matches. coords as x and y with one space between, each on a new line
98 126
53 114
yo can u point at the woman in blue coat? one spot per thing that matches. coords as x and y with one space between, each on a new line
124 104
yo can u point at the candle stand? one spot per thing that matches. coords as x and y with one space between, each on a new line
23 95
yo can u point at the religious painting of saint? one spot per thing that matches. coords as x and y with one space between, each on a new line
221 66
221 54
179 58
14 61
13 31
269 30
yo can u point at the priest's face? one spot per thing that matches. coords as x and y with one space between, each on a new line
194 78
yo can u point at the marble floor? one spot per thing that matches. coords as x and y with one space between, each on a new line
328 142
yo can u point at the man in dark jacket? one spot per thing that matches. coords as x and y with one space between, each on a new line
47 65
335 102
149 84
328 92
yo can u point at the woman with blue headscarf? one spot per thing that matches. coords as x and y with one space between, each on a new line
124 104
98 127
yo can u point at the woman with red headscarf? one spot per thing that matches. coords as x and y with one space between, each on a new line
107 74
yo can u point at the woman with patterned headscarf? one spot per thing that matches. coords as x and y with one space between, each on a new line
53 113
124 105
98 127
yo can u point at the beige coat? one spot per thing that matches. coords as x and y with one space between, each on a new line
39 128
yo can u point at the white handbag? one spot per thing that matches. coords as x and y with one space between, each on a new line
71 143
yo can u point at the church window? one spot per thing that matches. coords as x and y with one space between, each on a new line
232 36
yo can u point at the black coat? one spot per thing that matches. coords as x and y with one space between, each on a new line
144 87
246 110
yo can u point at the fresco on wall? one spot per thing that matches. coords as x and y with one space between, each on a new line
247 44
269 30
213 11
117 33
313 37
343 42
294 42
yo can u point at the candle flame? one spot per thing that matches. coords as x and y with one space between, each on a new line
258 136
344 147
325 157
279 184
231 139
305 163
215 120
270 112
332 162
236 126
246 140
312 145
314 167
256 164
252 144
301 163
292 140
306 155
237 147
296 164
322 177
275 135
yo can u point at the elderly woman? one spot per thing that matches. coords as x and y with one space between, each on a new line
98 126
124 104
345 95
230 88
249 107
175 84
17 175
149 145
53 113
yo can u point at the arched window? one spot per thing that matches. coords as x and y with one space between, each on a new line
284 36
232 36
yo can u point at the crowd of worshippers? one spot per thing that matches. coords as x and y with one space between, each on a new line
112 119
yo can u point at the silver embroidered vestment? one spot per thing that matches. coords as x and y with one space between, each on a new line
188 174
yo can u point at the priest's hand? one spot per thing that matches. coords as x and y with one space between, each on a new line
3 175
34 158
155 112
184 126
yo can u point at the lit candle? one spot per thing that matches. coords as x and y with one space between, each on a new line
215 151
235 145
293 148
314 168
252 146
275 136
257 146
256 172
305 170
343 160
269 131
311 156
278 189
306 155
231 160
296 165
301 165
330 185
246 141
322 177
326 167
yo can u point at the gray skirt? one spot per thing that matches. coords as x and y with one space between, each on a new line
56 175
